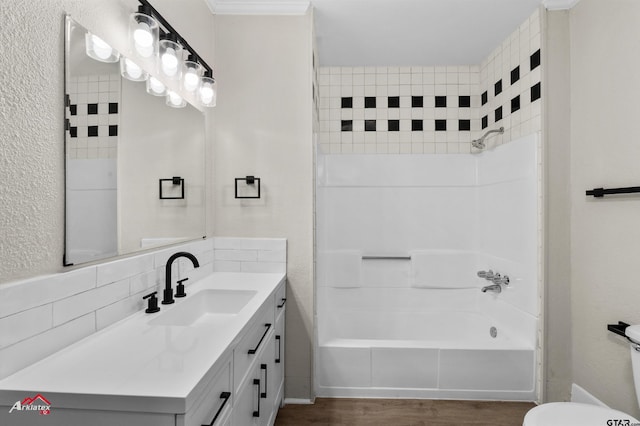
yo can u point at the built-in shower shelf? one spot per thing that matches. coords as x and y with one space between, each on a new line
601 192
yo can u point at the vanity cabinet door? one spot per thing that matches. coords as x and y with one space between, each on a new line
248 406
215 404
255 399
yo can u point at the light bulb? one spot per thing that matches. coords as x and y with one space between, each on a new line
169 62
143 39
191 80
207 92
175 100
206 95
100 47
156 87
132 69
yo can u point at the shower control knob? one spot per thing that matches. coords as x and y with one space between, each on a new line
487 275
501 280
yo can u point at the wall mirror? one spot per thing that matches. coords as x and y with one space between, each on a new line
123 149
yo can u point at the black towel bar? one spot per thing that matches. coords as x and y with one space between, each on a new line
601 192
619 329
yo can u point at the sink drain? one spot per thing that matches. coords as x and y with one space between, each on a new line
493 332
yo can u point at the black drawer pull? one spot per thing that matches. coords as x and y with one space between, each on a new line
284 300
225 396
253 351
279 339
264 367
256 382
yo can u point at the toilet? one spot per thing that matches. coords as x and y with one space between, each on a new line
573 413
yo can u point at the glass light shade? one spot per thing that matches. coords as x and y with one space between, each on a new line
174 100
208 92
131 71
143 35
96 48
155 87
170 59
191 75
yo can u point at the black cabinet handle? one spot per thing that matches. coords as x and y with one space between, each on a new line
264 367
256 382
253 351
225 396
284 300
279 339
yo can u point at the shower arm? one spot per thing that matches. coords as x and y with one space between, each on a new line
483 137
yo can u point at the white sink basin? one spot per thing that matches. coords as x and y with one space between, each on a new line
204 303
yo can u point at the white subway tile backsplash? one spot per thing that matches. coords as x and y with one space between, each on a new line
145 282
117 311
89 301
263 267
33 349
27 294
115 271
236 255
226 266
20 326
272 255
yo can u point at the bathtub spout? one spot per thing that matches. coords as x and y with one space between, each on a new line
496 288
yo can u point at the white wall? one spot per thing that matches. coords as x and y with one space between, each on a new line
263 127
557 198
605 236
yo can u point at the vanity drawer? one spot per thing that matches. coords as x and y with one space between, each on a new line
253 343
216 402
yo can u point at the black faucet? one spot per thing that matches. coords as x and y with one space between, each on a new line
168 291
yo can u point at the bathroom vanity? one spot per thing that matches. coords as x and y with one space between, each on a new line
214 357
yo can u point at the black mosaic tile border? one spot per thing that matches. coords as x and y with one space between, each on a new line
418 101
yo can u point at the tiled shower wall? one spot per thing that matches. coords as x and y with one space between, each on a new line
433 109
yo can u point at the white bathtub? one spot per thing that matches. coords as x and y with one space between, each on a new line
431 354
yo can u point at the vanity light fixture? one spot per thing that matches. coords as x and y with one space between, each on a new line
144 32
131 71
190 71
174 100
98 49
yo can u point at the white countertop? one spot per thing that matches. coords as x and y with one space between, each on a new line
134 366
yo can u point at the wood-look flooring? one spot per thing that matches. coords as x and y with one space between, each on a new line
403 412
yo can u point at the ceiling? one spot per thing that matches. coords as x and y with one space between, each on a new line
402 32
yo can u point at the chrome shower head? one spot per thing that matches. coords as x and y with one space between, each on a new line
478 144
